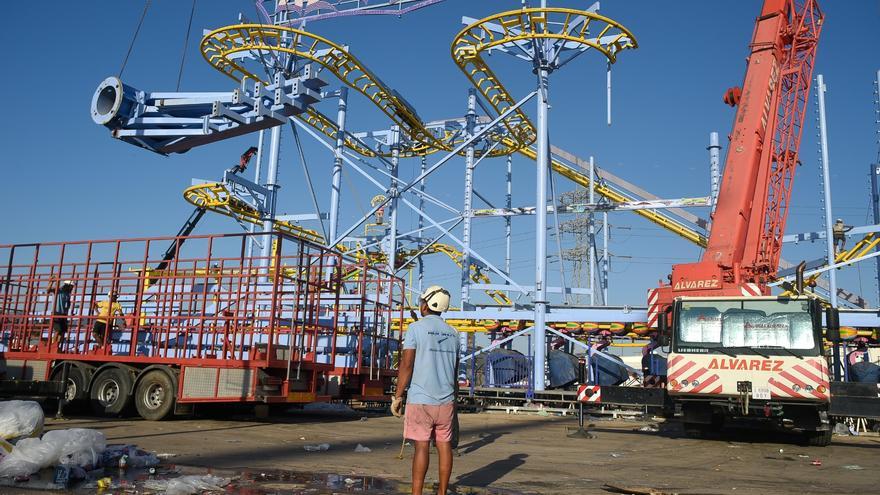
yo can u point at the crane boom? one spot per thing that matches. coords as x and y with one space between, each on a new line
743 250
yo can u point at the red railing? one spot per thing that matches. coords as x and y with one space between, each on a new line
211 304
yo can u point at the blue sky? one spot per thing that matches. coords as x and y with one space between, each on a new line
66 179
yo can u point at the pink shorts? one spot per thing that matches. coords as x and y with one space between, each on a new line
423 422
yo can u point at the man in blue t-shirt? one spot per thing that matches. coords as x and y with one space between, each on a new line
428 370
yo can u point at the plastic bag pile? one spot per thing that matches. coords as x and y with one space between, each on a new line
20 419
75 447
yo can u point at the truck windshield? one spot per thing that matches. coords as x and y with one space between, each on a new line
766 327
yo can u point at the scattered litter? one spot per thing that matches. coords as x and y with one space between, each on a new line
104 483
302 438
816 462
853 467
133 457
165 455
349 481
76 447
20 419
781 450
363 418
317 448
187 485
803 456
361 448
650 428
615 454
841 429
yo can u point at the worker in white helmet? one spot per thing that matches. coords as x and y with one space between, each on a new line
839 230
428 377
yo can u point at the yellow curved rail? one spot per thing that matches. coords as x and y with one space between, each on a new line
595 31
215 197
220 46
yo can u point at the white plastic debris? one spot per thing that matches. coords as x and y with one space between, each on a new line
76 447
187 485
853 467
20 419
361 448
317 448
650 428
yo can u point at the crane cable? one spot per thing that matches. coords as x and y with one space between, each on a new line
189 24
134 38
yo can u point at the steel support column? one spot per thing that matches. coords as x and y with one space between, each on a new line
272 186
826 201
336 174
875 207
714 169
470 119
605 264
421 264
258 176
591 234
508 220
542 162
391 237
826 187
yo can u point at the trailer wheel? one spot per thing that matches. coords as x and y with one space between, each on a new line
819 438
111 392
154 397
76 384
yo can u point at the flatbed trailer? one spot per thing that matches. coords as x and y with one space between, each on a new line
215 324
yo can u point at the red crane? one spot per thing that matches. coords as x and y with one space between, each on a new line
749 220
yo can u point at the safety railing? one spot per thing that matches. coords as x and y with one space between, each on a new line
209 303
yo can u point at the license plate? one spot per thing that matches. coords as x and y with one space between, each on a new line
761 393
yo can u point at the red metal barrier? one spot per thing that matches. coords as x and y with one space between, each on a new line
282 317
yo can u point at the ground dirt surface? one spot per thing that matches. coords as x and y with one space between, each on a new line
523 453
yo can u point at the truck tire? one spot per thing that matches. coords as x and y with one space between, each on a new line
819 438
110 392
154 397
76 384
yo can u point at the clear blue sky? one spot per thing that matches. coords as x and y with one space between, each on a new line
65 178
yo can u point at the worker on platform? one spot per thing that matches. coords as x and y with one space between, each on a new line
839 230
428 377
107 310
60 311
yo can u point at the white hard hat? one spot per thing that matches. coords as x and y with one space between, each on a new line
67 282
436 298
840 220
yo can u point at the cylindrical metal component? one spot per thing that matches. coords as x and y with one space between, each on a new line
113 102
336 174
540 298
272 185
829 234
591 233
714 167
391 239
471 119
826 188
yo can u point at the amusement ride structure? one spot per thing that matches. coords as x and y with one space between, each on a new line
285 76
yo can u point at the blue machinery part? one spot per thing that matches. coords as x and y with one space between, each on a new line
176 122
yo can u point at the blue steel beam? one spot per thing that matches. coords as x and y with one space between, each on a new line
177 122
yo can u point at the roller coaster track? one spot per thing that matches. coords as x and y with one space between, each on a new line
215 197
